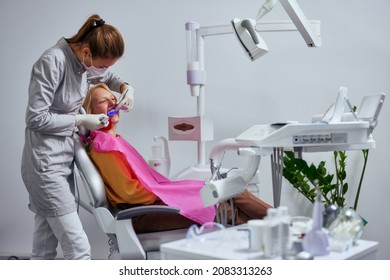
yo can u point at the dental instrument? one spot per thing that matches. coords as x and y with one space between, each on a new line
112 112
339 106
128 94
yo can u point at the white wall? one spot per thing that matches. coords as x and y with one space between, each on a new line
292 82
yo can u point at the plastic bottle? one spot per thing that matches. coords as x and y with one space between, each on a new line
285 234
316 240
272 235
158 162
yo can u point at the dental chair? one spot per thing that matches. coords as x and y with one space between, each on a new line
124 242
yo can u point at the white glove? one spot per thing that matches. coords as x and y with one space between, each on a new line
92 121
126 101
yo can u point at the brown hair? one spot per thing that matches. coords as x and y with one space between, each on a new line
88 99
104 40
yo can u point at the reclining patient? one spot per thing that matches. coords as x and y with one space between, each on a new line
131 182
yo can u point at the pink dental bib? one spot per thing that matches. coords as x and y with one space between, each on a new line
183 194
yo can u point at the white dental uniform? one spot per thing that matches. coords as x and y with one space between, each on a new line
58 86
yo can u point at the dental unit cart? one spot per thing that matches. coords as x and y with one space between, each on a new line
334 131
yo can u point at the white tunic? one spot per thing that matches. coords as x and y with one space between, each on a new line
58 86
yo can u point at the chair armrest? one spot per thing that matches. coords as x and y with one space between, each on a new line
141 210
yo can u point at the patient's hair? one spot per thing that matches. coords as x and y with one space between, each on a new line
88 99
104 40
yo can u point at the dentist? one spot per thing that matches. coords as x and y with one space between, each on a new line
59 82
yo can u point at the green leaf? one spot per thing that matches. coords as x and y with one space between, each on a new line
345 188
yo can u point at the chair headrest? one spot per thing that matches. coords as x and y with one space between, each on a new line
93 182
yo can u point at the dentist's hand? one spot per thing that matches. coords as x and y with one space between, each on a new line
92 121
126 101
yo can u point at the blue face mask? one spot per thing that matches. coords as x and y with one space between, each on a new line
94 72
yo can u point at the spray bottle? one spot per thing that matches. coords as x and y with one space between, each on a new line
316 241
161 164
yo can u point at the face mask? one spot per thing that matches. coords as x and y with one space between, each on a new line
92 71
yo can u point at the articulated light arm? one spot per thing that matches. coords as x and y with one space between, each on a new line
299 19
265 9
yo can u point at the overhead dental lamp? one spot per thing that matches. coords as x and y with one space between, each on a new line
250 40
247 30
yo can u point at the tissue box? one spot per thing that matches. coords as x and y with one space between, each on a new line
198 128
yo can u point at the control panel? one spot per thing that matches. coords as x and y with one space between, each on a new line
330 138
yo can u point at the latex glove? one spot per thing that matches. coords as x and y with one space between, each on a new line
126 101
92 121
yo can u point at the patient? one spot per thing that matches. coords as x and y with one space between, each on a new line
131 182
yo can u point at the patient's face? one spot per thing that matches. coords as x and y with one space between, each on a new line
102 102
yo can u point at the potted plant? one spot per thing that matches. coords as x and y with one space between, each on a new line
333 187
308 179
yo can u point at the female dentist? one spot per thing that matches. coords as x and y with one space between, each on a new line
58 85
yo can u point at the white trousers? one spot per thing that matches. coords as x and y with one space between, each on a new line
67 230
